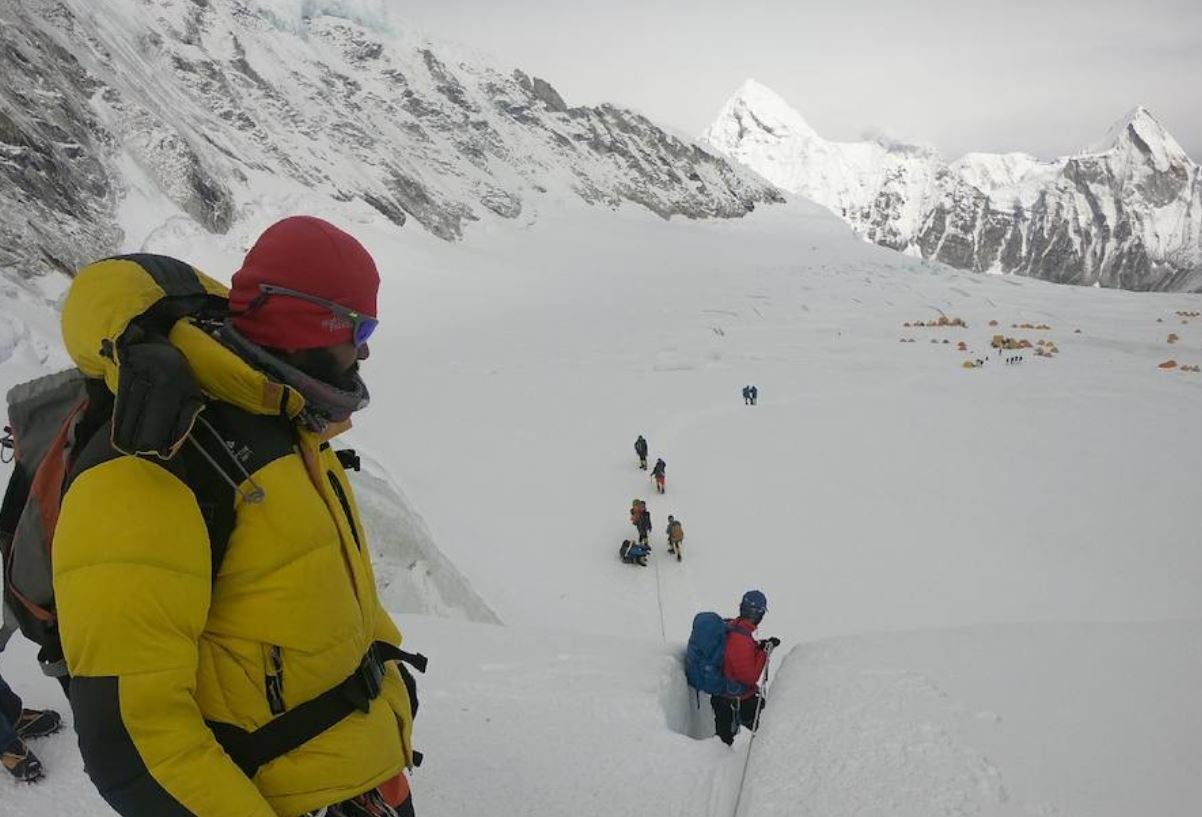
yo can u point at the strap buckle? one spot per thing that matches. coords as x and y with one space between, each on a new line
367 681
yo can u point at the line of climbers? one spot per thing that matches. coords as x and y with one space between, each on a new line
659 474
722 658
184 474
635 551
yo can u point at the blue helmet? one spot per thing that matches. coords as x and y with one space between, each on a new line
753 605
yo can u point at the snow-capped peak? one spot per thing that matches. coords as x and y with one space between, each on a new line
908 198
756 107
1140 130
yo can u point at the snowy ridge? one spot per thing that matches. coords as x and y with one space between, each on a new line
211 102
1127 213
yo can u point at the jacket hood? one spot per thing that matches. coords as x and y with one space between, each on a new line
118 301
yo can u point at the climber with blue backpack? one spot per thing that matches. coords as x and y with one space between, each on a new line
724 659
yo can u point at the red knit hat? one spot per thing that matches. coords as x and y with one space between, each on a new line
311 256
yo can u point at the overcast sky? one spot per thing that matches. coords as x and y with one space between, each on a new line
1042 76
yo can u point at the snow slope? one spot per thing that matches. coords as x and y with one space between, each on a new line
1046 512
1002 721
1038 719
209 103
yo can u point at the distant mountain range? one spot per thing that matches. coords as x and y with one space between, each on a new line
214 104
1125 213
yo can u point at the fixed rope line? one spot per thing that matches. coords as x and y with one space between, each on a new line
755 728
659 597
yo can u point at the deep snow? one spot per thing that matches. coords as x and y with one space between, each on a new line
877 488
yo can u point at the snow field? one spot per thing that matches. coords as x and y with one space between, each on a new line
886 487
878 487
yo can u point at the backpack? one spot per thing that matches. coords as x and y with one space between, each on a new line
55 418
630 551
705 654
45 416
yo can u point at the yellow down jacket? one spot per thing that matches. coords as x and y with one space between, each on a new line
157 645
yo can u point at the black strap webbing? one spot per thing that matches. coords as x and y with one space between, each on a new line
349 459
299 725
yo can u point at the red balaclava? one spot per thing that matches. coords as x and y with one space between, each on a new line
308 255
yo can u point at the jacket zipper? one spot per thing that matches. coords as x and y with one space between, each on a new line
346 507
273 681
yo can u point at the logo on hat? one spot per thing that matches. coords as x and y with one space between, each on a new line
335 323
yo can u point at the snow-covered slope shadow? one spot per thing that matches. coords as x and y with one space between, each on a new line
555 723
1005 720
412 574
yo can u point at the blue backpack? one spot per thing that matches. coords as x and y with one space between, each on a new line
705 654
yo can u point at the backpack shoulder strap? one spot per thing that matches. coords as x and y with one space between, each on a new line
227 445
214 496
731 627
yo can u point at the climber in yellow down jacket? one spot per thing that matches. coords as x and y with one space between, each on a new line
228 652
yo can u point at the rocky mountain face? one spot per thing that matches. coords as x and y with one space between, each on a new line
1125 213
212 102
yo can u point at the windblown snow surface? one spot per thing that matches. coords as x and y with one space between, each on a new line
986 580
